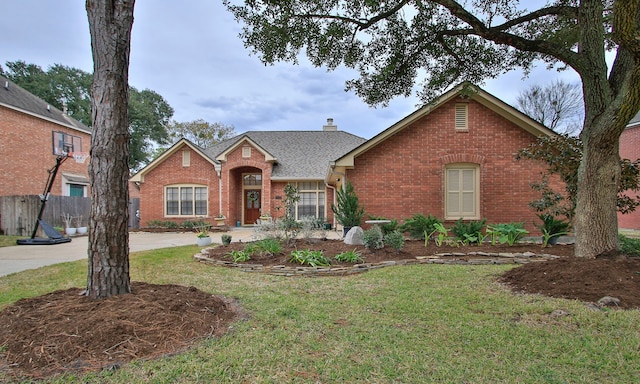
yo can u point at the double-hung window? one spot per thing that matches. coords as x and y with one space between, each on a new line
462 196
186 200
312 200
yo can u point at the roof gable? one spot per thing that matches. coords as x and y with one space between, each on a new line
14 97
296 155
244 139
139 177
465 89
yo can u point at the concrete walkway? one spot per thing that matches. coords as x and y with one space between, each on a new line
22 257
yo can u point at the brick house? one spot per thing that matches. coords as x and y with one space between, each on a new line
630 149
32 132
451 159
242 177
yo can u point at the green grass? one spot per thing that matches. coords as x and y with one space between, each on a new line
9 241
411 324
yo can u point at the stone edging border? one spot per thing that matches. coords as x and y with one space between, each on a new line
479 258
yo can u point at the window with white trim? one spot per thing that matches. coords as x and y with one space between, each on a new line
186 200
462 197
312 199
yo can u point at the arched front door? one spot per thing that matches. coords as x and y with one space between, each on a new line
252 199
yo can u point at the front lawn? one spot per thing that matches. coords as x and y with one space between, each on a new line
409 324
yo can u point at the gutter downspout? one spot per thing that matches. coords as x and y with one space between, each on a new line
343 176
218 168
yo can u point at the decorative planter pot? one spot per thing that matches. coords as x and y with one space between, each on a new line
220 222
70 231
82 230
203 241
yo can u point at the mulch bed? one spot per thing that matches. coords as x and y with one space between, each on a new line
66 332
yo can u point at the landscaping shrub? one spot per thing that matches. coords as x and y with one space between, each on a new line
629 246
350 257
395 240
470 232
508 233
268 246
418 224
239 256
312 258
373 238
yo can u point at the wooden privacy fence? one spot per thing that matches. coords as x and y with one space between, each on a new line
19 213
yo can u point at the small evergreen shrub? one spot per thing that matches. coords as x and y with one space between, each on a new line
373 238
395 240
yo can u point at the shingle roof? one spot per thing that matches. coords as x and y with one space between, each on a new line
299 154
14 97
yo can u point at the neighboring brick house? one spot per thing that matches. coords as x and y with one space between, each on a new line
31 132
630 149
451 159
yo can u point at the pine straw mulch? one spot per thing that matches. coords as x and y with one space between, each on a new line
66 332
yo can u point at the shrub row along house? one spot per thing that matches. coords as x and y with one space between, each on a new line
452 159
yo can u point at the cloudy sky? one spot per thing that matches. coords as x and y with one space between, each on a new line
190 53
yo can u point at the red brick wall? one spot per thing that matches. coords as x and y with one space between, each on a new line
404 175
27 154
232 171
630 149
169 172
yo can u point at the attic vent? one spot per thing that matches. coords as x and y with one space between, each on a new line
462 117
6 84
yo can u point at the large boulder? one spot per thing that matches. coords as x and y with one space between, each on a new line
354 236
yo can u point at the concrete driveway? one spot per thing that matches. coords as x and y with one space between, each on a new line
22 257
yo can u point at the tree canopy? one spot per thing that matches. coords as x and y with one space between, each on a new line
69 89
200 132
405 46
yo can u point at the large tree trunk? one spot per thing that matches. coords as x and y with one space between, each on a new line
596 219
110 24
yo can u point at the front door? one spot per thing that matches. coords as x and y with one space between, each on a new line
252 198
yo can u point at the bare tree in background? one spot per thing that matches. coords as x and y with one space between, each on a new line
558 106
110 24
